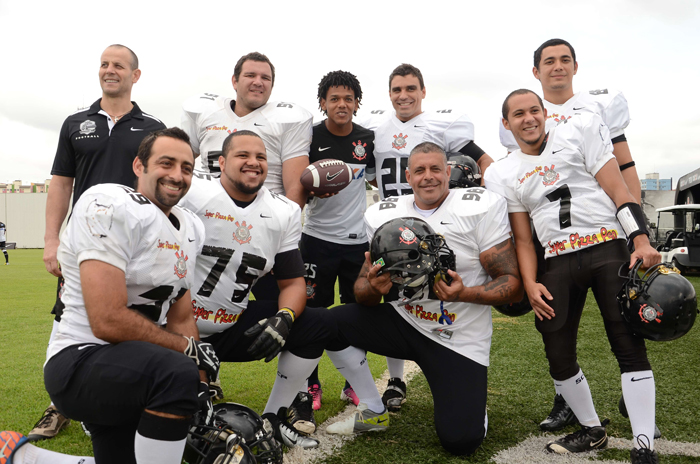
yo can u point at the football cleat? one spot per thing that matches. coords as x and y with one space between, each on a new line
350 396
395 394
586 439
301 414
285 433
10 442
643 455
49 425
560 416
317 393
364 420
623 410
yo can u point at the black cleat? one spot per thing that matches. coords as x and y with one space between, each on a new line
643 455
395 394
560 417
586 439
285 433
301 414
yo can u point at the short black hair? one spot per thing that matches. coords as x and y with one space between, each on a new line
405 69
146 148
253 56
552 43
506 107
134 58
227 141
339 79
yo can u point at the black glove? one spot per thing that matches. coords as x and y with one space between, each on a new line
204 356
271 335
206 409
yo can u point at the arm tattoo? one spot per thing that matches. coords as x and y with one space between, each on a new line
501 263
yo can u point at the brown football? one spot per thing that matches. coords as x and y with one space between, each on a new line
326 176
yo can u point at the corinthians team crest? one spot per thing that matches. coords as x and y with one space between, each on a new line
310 290
181 264
550 176
359 152
242 233
87 127
399 141
407 236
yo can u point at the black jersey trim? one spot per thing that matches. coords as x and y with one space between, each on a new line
472 150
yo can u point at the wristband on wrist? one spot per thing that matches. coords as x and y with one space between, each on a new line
631 219
291 313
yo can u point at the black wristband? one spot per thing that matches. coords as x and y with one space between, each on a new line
632 220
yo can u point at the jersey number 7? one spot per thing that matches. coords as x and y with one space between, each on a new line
248 261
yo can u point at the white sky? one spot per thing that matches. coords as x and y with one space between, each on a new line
472 54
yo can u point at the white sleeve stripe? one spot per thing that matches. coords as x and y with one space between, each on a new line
152 117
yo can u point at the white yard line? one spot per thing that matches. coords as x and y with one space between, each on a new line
330 444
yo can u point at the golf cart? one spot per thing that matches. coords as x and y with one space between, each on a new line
677 232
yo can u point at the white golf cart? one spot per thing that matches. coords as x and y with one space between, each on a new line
677 233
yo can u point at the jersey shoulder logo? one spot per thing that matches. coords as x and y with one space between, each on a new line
550 176
181 264
359 152
242 233
399 141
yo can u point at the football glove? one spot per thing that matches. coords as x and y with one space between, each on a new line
271 335
206 409
203 354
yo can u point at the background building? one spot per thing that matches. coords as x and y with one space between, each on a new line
652 182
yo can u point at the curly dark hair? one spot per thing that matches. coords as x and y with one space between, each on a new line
339 79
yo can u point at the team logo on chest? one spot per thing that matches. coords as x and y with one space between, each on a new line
87 127
399 141
407 236
359 153
559 118
242 233
550 176
181 264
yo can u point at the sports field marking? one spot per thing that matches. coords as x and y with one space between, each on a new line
330 444
531 451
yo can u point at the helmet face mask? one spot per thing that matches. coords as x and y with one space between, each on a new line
411 252
659 306
465 172
237 434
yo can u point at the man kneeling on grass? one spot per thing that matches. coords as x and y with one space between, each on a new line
443 324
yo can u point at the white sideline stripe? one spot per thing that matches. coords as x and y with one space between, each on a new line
330 444
531 451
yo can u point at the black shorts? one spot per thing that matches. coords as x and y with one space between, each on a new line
2 245
327 261
308 338
568 279
457 383
109 386
58 305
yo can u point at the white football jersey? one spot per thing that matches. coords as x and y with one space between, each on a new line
2 233
610 105
394 140
114 224
240 247
284 127
472 221
558 188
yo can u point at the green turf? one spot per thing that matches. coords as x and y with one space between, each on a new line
520 390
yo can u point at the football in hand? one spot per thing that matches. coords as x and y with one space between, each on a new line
326 176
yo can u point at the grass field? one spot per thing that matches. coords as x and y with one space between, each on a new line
520 389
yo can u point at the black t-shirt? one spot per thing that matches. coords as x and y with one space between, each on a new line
89 153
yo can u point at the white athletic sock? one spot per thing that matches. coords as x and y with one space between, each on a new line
292 374
556 388
151 451
638 389
30 454
578 396
395 367
352 364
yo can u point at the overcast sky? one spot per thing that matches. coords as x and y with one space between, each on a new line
471 57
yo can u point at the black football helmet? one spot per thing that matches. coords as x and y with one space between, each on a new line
659 306
519 308
412 252
237 434
465 172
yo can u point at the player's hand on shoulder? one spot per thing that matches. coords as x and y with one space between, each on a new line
380 283
537 293
451 291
